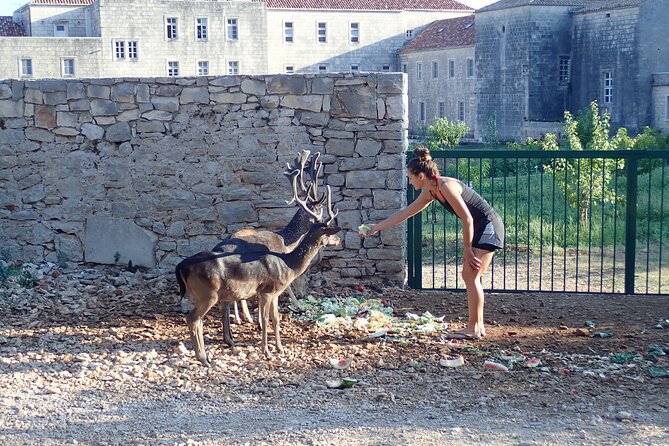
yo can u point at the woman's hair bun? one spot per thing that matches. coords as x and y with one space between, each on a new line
422 153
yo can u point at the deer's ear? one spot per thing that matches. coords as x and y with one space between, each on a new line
330 231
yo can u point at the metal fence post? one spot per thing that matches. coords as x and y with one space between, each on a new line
630 224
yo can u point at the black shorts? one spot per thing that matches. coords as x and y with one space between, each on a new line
489 234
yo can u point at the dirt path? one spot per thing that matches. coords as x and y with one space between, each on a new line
102 357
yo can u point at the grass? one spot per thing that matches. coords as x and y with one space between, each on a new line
540 222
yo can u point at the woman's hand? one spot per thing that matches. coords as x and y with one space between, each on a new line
367 230
471 259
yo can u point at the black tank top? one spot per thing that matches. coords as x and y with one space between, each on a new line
478 207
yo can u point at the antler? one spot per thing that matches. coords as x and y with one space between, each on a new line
332 213
300 164
314 168
293 179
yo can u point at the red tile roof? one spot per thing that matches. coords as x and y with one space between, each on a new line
383 5
504 4
449 33
63 2
8 28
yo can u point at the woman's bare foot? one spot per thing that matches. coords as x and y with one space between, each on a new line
464 334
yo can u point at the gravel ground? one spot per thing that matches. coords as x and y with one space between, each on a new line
101 356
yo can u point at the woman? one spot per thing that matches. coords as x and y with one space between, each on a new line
482 229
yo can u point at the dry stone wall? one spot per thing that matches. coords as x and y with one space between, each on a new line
156 169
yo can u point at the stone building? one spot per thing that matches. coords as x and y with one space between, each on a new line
442 78
537 58
107 38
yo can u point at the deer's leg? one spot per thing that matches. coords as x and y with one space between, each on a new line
293 299
238 319
264 309
245 311
274 302
195 325
227 330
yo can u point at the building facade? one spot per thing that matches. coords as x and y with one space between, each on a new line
537 58
442 77
110 38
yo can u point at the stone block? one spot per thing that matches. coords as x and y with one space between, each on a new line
365 180
254 87
99 91
92 131
199 95
124 92
312 103
110 241
45 116
119 132
40 135
281 84
103 107
367 147
11 109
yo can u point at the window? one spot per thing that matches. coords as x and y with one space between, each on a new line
133 50
409 33
435 69
608 87
441 109
233 32
288 32
322 32
405 68
119 50
385 68
171 28
26 67
419 71
470 67
233 67
67 67
173 68
289 69
60 29
355 33
565 70
322 68
355 68
203 68
461 111
451 68
201 30
421 111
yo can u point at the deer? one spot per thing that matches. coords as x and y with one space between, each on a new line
209 278
284 240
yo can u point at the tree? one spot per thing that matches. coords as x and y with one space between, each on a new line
443 133
586 182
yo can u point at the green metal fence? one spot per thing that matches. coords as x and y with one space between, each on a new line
576 221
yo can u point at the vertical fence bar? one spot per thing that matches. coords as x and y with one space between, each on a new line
541 228
630 224
601 232
648 213
553 232
659 262
578 215
529 180
615 225
590 218
516 228
564 242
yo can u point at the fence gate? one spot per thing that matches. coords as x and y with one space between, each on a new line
576 221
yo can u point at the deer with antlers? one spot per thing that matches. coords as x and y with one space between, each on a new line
281 241
208 277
